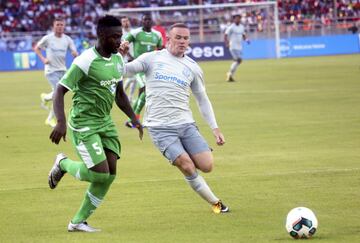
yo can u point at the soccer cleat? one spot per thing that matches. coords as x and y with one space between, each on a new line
50 122
45 104
81 227
129 124
229 77
56 173
219 207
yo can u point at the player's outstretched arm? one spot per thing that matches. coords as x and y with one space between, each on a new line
207 113
59 130
123 103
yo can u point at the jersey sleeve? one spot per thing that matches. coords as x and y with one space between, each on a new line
130 37
198 85
72 77
43 42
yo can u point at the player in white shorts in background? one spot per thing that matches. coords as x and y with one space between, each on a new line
56 45
170 77
234 35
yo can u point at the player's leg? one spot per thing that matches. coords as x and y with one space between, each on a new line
53 79
200 154
237 59
97 190
130 88
140 101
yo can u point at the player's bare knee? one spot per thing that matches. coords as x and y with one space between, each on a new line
206 168
185 164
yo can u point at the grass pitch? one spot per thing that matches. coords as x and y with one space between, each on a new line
292 128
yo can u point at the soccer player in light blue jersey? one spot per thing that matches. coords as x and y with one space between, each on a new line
56 44
170 78
234 35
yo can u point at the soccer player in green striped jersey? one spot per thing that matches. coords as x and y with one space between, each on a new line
145 39
95 78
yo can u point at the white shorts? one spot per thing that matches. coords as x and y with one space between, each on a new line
54 78
176 140
236 53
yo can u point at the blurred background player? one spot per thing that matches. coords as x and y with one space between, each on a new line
145 39
233 37
171 77
55 45
95 77
129 82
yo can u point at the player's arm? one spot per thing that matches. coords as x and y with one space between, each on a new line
245 38
123 103
72 47
60 128
226 37
206 109
138 65
68 81
37 49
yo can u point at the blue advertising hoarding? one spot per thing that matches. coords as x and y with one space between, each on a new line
257 49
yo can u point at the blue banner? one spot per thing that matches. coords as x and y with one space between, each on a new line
257 49
319 45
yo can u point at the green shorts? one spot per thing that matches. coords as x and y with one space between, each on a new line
140 79
90 144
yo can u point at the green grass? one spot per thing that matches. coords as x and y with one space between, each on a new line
292 128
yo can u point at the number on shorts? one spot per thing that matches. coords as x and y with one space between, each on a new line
97 148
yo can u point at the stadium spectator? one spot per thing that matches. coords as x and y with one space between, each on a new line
304 15
56 45
233 37
95 78
171 75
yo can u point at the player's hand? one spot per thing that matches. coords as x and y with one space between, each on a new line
220 139
139 127
58 132
124 48
46 61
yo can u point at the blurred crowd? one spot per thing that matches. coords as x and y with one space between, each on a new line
81 15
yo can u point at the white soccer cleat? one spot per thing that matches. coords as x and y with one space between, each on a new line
56 173
51 122
81 227
45 103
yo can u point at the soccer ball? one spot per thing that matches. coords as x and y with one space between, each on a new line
301 222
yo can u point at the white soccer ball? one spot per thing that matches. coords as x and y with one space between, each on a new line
301 222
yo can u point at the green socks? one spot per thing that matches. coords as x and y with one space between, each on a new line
93 197
139 104
99 186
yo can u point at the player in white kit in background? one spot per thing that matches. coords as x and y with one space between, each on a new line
55 45
129 82
234 35
171 76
